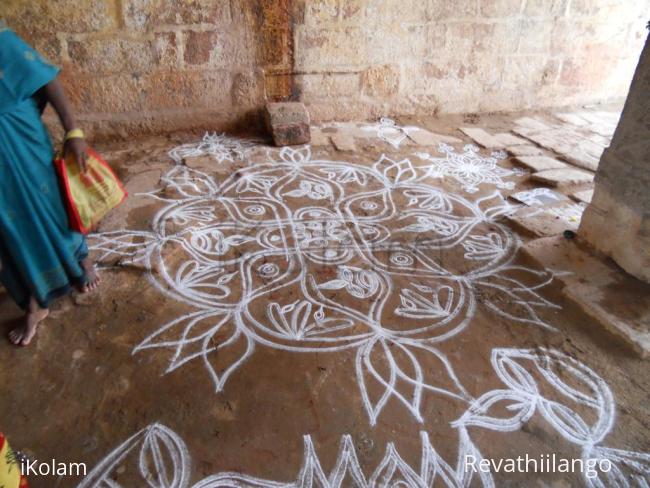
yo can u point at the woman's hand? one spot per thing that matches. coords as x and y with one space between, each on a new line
77 146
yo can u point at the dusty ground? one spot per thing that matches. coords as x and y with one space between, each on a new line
251 297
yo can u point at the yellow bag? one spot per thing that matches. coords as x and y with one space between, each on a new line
88 196
10 475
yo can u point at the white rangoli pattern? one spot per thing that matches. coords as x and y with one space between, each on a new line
389 132
262 255
220 146
569 397
270 270
470 168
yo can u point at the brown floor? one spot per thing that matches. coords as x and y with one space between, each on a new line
466 348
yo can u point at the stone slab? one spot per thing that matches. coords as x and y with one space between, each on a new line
288 123
583 196
572 118
561 178
571 145
481 137
540 163
506 139
524 150
539 197
319 138
343 141
549 220
614 300
423 137
532 124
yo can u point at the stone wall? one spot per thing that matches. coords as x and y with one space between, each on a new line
157 65
617 221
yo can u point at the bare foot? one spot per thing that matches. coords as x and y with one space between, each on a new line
22 336
91 274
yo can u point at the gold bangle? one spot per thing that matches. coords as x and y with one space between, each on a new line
74 134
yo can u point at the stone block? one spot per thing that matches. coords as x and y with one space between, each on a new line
540 163
343 141
524 150
166 50
547 220
49 17
248 89
545 8
459 9
382 81
112 55
482 138
500 8
288 123
105 94
189 89
149 14
199 46
614 301
322 12
563 177
583 196
324 49
324 86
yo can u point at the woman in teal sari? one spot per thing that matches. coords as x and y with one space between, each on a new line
40 258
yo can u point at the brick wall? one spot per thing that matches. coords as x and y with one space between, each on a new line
156 65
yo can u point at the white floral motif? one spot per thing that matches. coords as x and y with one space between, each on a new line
469 168
220 146
388 131
225 247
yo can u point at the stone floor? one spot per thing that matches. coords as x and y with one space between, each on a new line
365 311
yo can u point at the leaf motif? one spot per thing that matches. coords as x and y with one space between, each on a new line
564 375
164 460
394 471
395 172
378 368
189 182
478 414
122 247
628 468
566 421
333 285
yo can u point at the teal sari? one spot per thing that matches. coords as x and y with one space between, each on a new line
39 256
